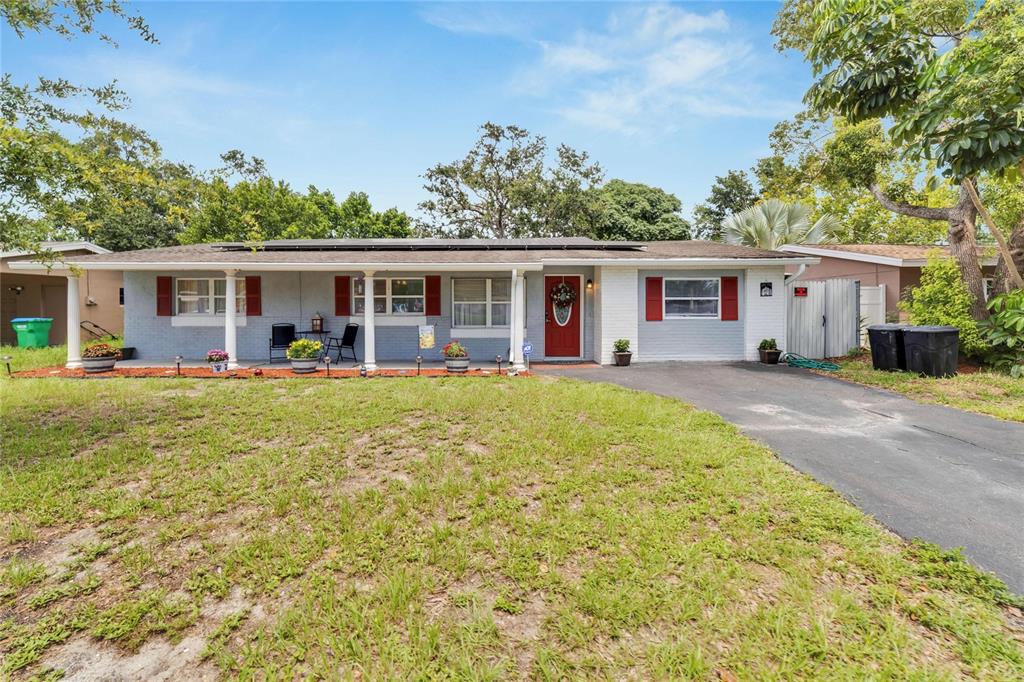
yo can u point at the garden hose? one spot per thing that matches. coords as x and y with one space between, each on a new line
794 360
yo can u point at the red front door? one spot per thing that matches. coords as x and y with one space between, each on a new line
562 323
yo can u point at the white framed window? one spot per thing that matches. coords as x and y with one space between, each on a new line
692 297
391 296
206 296
481 302
988 285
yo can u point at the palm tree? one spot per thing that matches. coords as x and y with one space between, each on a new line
773 222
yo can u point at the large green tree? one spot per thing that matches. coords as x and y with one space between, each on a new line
45 173
504 188
255 208
800 170
730 193
947 72
634 211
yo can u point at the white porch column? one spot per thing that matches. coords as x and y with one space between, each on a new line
518 320
369 333
512 321
74 325
230 315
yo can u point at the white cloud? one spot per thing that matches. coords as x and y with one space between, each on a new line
645 69
489 20
575 58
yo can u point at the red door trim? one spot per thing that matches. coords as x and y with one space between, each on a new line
582 312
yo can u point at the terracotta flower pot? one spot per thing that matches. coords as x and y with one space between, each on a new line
96 365
457 365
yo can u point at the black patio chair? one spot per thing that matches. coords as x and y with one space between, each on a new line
281 336
347 340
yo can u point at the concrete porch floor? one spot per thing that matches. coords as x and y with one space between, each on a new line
283 364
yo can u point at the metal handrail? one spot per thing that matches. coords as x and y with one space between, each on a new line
91 327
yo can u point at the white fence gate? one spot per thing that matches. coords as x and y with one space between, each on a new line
823 317
872 309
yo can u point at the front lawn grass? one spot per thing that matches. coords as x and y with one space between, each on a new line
50 356
471 528
998 395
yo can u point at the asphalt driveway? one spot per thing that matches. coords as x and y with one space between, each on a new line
950 477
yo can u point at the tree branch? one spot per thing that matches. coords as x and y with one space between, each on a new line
903 208
1004 248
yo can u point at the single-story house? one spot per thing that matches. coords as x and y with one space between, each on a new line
44 293
567 299
896 266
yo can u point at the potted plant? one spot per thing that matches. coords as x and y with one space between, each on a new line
218 360
456 357
99 357
305 355
769 351
622 353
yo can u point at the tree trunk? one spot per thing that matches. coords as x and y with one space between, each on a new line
1016 242
963 242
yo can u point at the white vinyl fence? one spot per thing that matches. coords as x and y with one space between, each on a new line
823 317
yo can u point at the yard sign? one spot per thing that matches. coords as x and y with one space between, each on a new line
426 336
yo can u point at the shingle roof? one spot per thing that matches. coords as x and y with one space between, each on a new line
430 251
916 252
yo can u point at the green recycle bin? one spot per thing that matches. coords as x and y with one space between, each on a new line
33 332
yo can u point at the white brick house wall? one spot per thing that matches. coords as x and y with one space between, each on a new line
615 310
764 317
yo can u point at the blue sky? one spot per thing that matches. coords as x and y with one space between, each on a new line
366 96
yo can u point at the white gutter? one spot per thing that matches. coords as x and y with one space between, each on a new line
289 267
684 262
870 257
435 267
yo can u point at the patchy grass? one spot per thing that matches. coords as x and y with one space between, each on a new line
473 528
51 356
998 395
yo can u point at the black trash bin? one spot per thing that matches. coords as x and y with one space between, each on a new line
886 341
932 351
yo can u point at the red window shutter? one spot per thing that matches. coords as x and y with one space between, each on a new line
433 294
253 297
164 288
730 298
343 296
654 298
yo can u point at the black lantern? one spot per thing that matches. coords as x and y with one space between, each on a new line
317 323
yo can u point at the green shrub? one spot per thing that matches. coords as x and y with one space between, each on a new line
942 298
620 346
1004 331
768 344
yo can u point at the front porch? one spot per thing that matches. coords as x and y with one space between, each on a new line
184 314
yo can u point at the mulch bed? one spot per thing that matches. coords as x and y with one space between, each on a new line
256 372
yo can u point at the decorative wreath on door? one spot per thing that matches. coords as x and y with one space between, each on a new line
563 295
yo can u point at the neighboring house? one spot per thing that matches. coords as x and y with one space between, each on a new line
896 266
673 300
44 293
